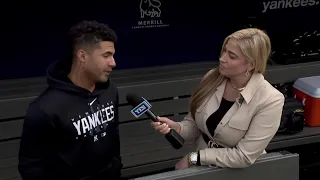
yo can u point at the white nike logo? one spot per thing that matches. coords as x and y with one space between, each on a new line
93 101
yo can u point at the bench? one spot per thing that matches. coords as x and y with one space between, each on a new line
282 166
143 150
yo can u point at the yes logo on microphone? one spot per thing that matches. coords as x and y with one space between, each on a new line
143 107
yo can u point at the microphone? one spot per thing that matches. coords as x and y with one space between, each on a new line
142 106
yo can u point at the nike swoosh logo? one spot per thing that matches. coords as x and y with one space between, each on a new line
93 101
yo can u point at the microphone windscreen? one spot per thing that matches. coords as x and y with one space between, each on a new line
133 99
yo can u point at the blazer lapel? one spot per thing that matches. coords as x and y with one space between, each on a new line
226 118
212 105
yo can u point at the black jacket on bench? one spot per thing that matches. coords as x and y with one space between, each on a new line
71 133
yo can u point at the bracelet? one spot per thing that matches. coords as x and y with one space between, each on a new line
189 160
193 158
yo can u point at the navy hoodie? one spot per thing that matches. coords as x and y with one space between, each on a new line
71 133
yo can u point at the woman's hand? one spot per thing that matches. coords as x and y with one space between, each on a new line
164 125
183 163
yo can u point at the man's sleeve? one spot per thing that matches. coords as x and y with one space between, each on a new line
35 145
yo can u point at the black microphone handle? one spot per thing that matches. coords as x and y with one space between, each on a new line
173 137
151 115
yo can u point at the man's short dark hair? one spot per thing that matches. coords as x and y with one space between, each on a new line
87 34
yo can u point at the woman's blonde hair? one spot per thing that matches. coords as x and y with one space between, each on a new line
255 46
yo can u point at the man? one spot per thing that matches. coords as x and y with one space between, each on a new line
71 129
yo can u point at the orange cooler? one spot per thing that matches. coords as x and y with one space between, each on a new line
307 90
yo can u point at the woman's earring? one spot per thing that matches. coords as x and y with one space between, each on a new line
247 73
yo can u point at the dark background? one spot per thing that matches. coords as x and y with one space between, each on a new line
33 34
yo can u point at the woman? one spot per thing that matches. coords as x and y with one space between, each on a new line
234 112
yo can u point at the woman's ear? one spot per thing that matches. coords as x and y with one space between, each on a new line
251 65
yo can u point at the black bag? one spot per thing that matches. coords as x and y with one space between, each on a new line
292 120
287 90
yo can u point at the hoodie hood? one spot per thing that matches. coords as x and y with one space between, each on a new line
57 78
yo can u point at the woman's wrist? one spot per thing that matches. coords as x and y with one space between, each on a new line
178 128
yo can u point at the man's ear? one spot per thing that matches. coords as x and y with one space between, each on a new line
82 55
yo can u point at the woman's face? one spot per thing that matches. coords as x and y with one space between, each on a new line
232 61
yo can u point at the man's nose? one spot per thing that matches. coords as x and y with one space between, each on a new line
112 62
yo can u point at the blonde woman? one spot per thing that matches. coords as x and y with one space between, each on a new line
234 112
